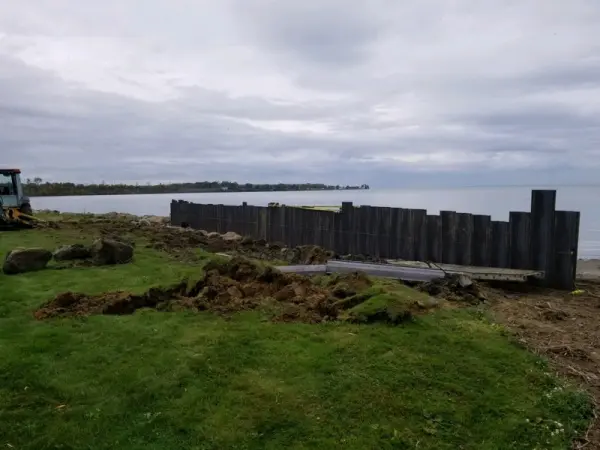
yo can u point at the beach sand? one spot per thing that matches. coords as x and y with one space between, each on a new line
588 269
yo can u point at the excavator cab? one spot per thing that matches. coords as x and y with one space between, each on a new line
15 207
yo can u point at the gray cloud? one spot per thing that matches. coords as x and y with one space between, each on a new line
381 93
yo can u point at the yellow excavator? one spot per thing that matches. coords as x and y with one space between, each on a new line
15 207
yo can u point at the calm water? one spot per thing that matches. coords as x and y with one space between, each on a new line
496 202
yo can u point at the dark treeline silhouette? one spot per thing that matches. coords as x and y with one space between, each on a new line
39 188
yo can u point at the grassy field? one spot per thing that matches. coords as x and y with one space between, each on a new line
155 380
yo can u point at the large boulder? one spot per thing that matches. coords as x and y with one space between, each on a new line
109 251
71 252
22 260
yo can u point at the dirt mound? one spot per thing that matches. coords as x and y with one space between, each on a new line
241 284
234 285
347 285
455 288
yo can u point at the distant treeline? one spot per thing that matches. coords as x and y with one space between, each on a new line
39 188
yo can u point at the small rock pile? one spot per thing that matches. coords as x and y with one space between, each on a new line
102 252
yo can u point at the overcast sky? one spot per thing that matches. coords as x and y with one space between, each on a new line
384 92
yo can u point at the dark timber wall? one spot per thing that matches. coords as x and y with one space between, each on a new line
543 239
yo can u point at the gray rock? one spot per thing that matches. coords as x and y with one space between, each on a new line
213 235
109 251
464 280
21 260
231 236
70 252
157 220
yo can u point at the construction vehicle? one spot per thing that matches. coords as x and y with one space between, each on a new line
15 207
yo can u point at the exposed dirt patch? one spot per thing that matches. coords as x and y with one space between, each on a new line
565 328
240 284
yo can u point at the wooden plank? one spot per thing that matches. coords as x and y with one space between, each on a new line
476 273
449 236
481 245
500 244
543 205
520 240
385 270
566 243
464 238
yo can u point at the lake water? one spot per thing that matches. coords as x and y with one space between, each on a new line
496 202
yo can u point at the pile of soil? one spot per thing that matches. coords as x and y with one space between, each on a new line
455 288
225 287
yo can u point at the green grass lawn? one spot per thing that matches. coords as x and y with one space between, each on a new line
156 380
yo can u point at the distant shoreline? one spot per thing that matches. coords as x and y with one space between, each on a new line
90 194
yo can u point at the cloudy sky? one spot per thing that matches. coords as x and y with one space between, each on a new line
384 92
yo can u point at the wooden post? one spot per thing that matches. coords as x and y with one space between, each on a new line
434 238
348 237
174 217
481 246
500 244
449 232
407 238
370 231
565 247
520 240
420 234
543 205
396 233
288 232
464 239
384 232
